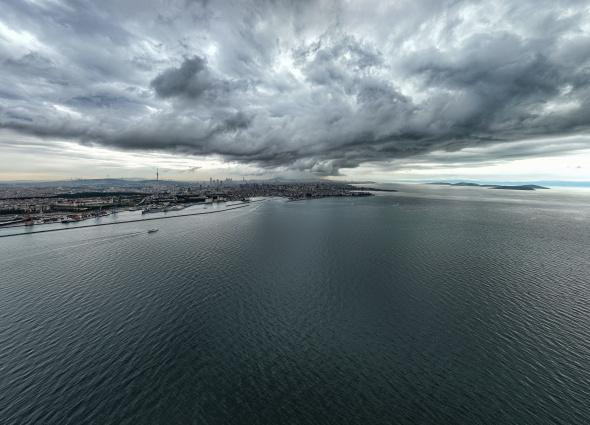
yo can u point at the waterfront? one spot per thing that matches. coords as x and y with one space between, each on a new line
127 217
38 203
430 305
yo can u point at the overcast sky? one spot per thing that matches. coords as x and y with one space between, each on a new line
341 89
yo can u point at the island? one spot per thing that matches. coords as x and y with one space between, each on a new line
492 186
521 187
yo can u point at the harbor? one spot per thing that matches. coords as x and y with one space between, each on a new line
127 221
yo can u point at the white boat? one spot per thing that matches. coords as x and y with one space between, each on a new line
149 210
153 230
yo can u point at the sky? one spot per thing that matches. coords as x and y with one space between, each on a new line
349 90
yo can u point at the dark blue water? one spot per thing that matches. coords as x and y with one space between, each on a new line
432 305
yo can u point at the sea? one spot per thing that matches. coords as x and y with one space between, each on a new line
430 305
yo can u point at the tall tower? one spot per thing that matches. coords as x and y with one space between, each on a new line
157 175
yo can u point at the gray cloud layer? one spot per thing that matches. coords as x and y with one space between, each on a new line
311 86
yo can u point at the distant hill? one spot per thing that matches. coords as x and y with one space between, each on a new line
461 184
80 183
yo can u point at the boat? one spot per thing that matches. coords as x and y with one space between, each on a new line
72 218
153 230
149 210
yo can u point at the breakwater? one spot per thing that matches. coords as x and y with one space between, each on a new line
233 207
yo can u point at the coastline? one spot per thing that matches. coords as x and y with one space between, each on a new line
233 207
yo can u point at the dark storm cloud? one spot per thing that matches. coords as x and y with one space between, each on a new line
191 79
310 86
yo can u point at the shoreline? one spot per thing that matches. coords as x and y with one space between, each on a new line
234 207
